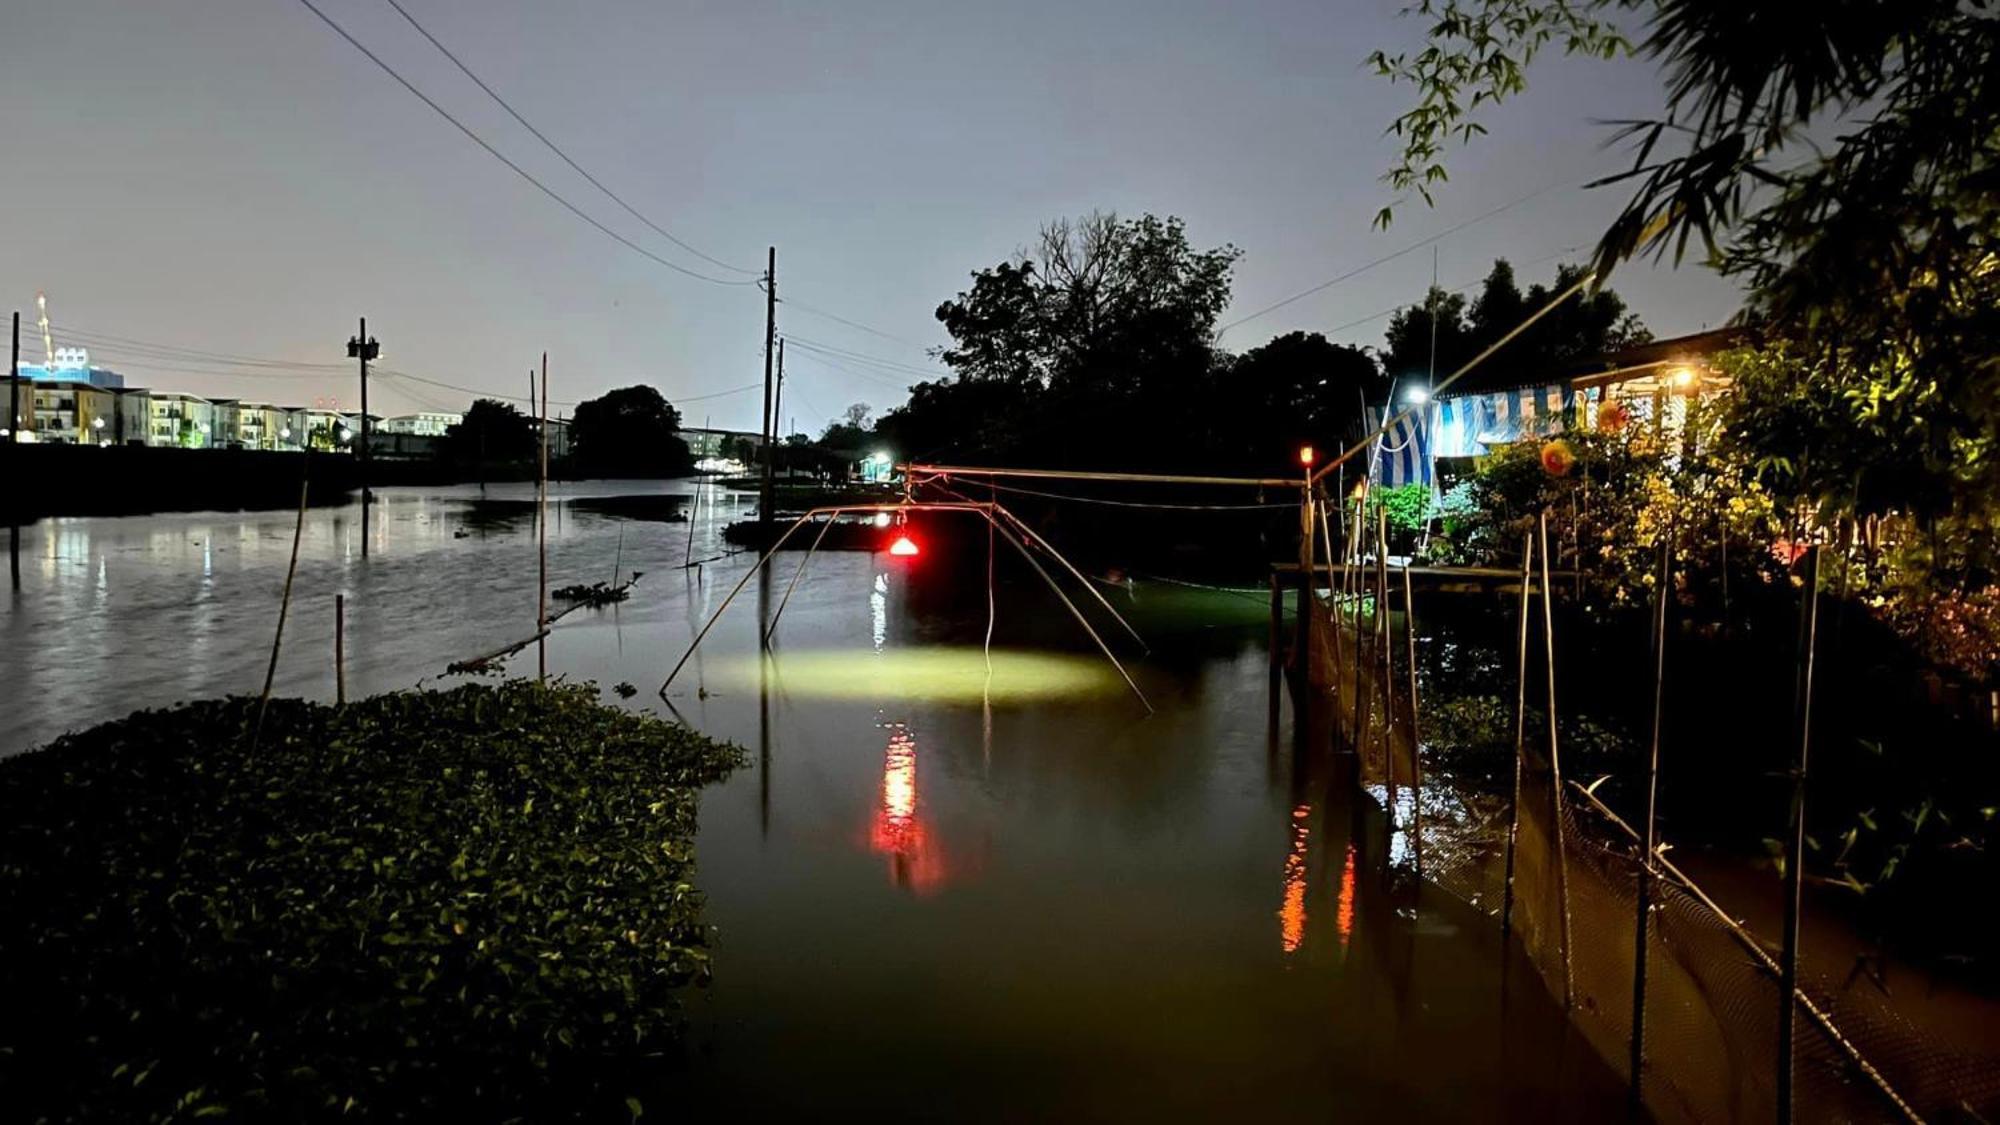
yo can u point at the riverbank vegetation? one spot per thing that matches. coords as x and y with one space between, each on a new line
472 904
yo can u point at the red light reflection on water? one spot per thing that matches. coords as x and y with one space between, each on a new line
1343 914
899 831
1292 911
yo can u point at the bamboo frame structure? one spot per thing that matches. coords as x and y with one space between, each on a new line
1643 918
987 510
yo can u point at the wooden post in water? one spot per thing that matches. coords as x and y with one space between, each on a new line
1520 731
542 538
1555 766
1788 962
1642 923
340 649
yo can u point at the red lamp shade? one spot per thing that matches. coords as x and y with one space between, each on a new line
904 546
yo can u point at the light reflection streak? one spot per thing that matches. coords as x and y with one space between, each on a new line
1292 911
878 609
899 830
1343 914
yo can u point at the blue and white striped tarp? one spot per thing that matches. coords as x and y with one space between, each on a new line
1469 425
1403 453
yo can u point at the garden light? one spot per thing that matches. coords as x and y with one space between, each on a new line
904 547
1305 454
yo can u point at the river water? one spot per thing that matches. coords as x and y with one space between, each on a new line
937 894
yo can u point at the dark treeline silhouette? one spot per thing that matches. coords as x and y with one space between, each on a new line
1096 348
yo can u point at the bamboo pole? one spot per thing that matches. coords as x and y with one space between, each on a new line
284 602
1641 943
1755 948
1555 767
1077 474
1416 743
340 649
1385 636
1788 965
1277 656
1520 731
542 522
1074 612
794 583
1087 584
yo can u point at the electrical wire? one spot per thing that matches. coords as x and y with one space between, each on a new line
516 168
864 358
552 147
1390 257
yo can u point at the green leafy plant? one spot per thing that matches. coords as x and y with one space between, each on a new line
471 904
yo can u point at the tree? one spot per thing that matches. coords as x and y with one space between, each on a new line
1099 340
1296 389
857 415
629 432
1583 327
491 432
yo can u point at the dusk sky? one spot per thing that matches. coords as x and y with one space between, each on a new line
230 176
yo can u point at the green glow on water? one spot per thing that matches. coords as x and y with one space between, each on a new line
934 674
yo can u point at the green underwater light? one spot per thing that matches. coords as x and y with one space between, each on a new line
934 674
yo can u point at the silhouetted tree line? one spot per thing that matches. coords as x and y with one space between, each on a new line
1097 349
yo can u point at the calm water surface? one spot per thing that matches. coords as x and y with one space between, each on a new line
935 896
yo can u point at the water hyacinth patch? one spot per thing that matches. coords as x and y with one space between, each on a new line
462 904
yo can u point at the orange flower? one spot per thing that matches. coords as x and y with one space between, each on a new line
1558 458
1612 417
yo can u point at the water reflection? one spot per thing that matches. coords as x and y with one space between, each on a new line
1343 911
878 611
1292 910
899 831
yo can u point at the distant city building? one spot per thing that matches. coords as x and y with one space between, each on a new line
426 424
709 445
72 365
72 412
176 419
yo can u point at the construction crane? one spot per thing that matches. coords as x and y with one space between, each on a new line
48 341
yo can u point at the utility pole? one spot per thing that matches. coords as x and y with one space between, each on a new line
363 348
766 510
778 397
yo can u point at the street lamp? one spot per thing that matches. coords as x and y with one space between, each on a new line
1417 396
346 435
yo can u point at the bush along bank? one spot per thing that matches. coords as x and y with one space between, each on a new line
469 904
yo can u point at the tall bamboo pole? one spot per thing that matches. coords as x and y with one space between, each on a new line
1520 731
1385 636
1788 964
284 602
1555 766
1641 943
340 649
542 537
1416 742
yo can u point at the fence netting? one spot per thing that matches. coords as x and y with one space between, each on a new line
1712 991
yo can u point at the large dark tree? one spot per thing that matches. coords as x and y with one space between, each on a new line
1297 389
491 433
629 432
1094 346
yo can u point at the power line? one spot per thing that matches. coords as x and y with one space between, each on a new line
811 311
1386 258
516 168
862 357
552 146
835 365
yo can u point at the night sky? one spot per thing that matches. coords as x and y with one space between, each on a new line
230 176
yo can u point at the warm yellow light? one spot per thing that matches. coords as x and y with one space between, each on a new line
1305 454
1683 377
